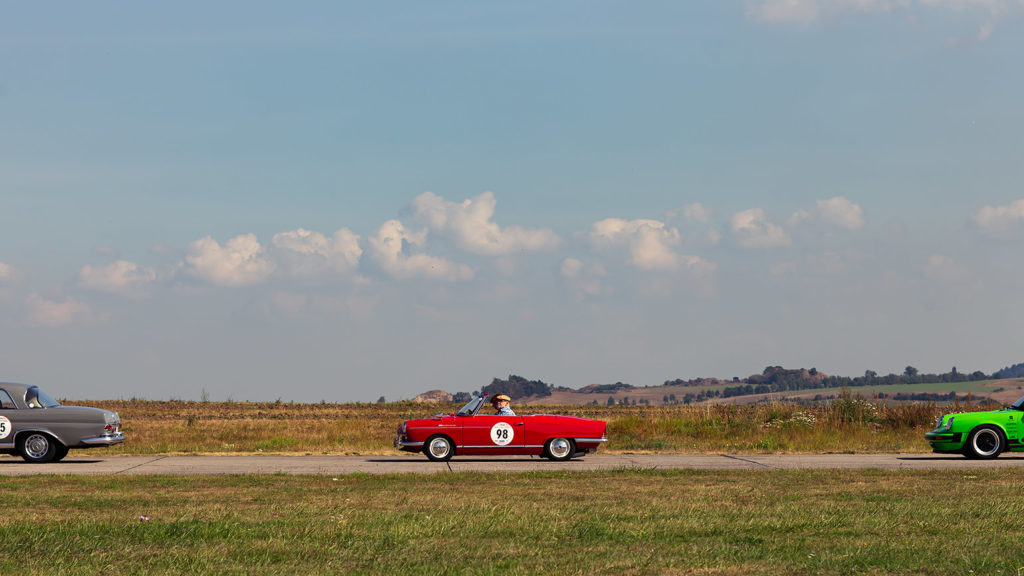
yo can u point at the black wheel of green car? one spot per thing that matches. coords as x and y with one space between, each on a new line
984 442
559 449
37 447
439 448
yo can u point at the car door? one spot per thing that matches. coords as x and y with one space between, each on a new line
489 434
8 420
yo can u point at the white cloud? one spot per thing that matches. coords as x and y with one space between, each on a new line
942 267
790 11
696 230
8 273
43 312
121 277
943 272
699 267
469 225
836 211
388 250
584 279
571 267
305 253
695 213
752 229
798 217
240 262
650 242
806 12
1000 220
841 212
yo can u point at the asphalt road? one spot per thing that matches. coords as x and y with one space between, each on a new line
339 465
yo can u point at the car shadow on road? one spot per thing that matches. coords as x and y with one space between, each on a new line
467 460
957 457
19 461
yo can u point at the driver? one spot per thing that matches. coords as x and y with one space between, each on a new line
501 402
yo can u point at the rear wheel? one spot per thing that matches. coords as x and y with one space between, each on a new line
37 447
439 448
984 442
559 449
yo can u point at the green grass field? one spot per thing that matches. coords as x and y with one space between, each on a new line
622 523
978 387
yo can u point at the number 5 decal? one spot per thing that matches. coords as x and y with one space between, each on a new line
5 427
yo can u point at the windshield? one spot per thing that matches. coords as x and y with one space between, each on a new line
1018 405
471 407
36 398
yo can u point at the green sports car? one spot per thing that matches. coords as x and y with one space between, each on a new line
979 434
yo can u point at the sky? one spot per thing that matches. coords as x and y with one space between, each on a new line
340 201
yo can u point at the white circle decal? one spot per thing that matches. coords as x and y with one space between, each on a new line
502 433
5 427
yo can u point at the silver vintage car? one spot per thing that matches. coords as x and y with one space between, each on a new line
38 428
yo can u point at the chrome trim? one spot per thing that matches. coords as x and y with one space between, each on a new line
510 446
578 440
108 440
406 443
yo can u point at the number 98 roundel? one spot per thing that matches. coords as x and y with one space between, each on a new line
502 433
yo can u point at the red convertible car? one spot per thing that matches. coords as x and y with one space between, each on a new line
468 433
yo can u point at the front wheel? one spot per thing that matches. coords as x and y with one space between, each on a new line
61 452
37 448
559 449
439 448
985 442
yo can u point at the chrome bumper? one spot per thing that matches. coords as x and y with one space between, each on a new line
402 444
107 440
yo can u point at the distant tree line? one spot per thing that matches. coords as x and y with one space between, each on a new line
606 388
944 397
626 401
923 397
1015 371
773 379
518 387
777 379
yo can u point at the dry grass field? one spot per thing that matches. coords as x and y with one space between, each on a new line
849 424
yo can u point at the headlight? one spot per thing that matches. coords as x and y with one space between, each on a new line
947 425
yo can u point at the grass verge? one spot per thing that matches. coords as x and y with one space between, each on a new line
621 522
